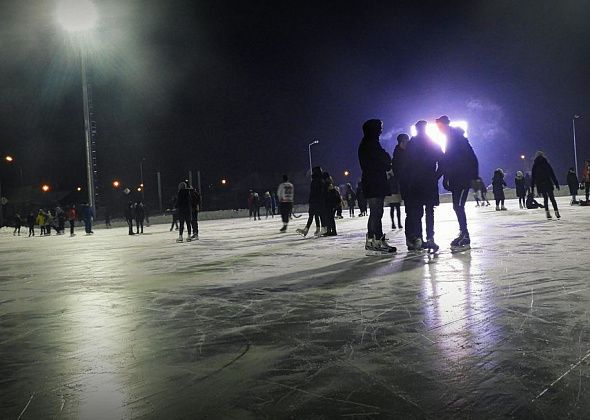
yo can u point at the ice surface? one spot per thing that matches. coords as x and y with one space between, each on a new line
250 323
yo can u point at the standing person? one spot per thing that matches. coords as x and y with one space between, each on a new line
460 167
483 190
286 195
374 163
251 205
544 178
129 212
397 163
184 211
88 215
419 175
174 212
31 224
316 202
527 182
268 204
350 198
195 201
361 200
107 217
586 178
340 204
72 218
61 220
41 221
139 213
333 201
476 193
256 206
519 182
48 222
498 184
573 184
17 224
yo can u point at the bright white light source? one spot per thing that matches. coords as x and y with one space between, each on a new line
439 138
76 15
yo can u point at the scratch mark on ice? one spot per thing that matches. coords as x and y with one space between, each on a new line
567 372
26 406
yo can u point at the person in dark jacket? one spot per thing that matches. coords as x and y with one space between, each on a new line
527 182
17 224
317 202
174 213
31 224
350 198
256 203
419 176
361 200
268 204
394 179
531 203
88 216
543 177
128 214
195 204
586 178
483 190
573 183
519 182
332 200
498 184
183 205
374 163
460 167
139 215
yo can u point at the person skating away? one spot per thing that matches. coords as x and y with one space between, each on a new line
40 220
17 224
340 205
350 198
374 163
60 215
398 157
273 203
31 224
333 201
483 190
543 178
184 211
129 213
285 195
251 205
521 188
419 177
256 206
361 200
195 201
139 214
498 184
88 216
316 202
573 183
71 216
586 179
531 203
460 167
268 204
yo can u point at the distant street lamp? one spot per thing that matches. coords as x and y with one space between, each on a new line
10 160
78 17
45 188
224 181
309 151
575 117
79 189
116 184
346 173
524 167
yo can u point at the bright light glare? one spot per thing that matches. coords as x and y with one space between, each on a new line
45 188
439 138
8 159
76 15
116 184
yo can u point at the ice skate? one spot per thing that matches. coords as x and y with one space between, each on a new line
557 214
317 233
382 246
503 208
189 239
497 208
548 214
179 239
195 237
369 246
415 245
303 232
461 243
283 229
431 246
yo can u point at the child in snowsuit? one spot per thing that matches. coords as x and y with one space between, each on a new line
498 185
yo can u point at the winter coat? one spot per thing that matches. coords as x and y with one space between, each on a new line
460 165
87 213
17 221
572 182
543 176
183 203
40 220
71 213
317 193
498 185
418 171
350 196
139 212
360 197
333 199
374 162
520 187
129 210
30 220
195 199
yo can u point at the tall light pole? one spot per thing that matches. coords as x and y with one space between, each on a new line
575 117
79 17
141 180
309 151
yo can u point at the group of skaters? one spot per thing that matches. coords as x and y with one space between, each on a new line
255 203
48 221
185 207
135 211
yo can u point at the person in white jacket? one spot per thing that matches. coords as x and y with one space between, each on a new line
285 194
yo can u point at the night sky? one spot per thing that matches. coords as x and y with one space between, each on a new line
233 88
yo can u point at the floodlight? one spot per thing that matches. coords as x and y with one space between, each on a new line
76 15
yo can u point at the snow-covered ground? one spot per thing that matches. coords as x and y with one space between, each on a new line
250 323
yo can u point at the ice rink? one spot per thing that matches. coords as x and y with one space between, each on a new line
251 323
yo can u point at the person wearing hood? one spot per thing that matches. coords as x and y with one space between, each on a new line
183 203
374 163
543 177
128 213
139 214
419 179
573 184
350 198
317 193
521 188
498 184
459 167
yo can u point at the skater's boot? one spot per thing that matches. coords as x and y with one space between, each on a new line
461 242
381 245
431 246
317 233
497 208
414 245
503 208
283 229
557 214
302 232
324 231
195 236
369 245
548 214
393 226
179 238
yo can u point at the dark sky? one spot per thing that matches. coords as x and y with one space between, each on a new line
237 87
